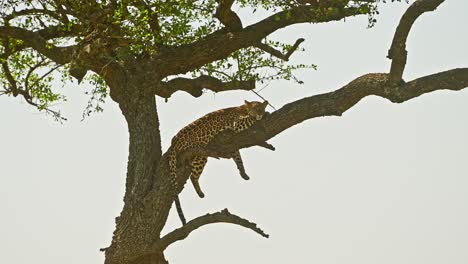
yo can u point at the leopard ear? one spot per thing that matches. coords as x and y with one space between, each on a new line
246 102
265 103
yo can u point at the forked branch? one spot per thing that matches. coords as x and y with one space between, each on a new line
274 52
397 52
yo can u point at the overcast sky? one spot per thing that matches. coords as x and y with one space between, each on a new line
384 183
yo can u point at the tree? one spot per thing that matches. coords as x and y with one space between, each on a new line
139 51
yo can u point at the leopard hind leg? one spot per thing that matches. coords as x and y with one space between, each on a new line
197 165
240 165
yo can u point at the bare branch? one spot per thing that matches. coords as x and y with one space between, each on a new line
274 52
195 86
397 52
223 216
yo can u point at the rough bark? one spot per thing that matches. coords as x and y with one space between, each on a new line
397 52
134 227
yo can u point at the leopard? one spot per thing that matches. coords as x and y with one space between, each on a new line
202 131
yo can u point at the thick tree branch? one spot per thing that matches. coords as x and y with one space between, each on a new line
54 32
223 216
195 86
35 40
397 52
220 44
48 33
228 17
274 52
33 11
332 104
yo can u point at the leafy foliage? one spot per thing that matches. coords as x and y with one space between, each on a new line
132 29
29 74
98 95
253 64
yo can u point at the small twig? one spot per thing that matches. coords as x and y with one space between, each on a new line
263 98
274 52
30 71
103 249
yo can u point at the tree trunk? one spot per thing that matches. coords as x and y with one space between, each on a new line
136 227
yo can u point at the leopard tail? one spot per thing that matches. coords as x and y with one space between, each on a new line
173 175
173 169
179 210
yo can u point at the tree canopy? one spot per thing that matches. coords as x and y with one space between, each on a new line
73 38
133 51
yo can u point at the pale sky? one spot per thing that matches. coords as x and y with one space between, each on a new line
384 183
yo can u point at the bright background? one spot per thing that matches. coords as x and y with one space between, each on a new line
384 183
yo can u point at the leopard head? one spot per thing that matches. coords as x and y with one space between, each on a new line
255 109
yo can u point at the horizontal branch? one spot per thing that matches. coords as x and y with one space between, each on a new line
32 11
334 104
35 40
223 216
195 86
397 52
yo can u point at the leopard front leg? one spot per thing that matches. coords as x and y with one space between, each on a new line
197 165
240 165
